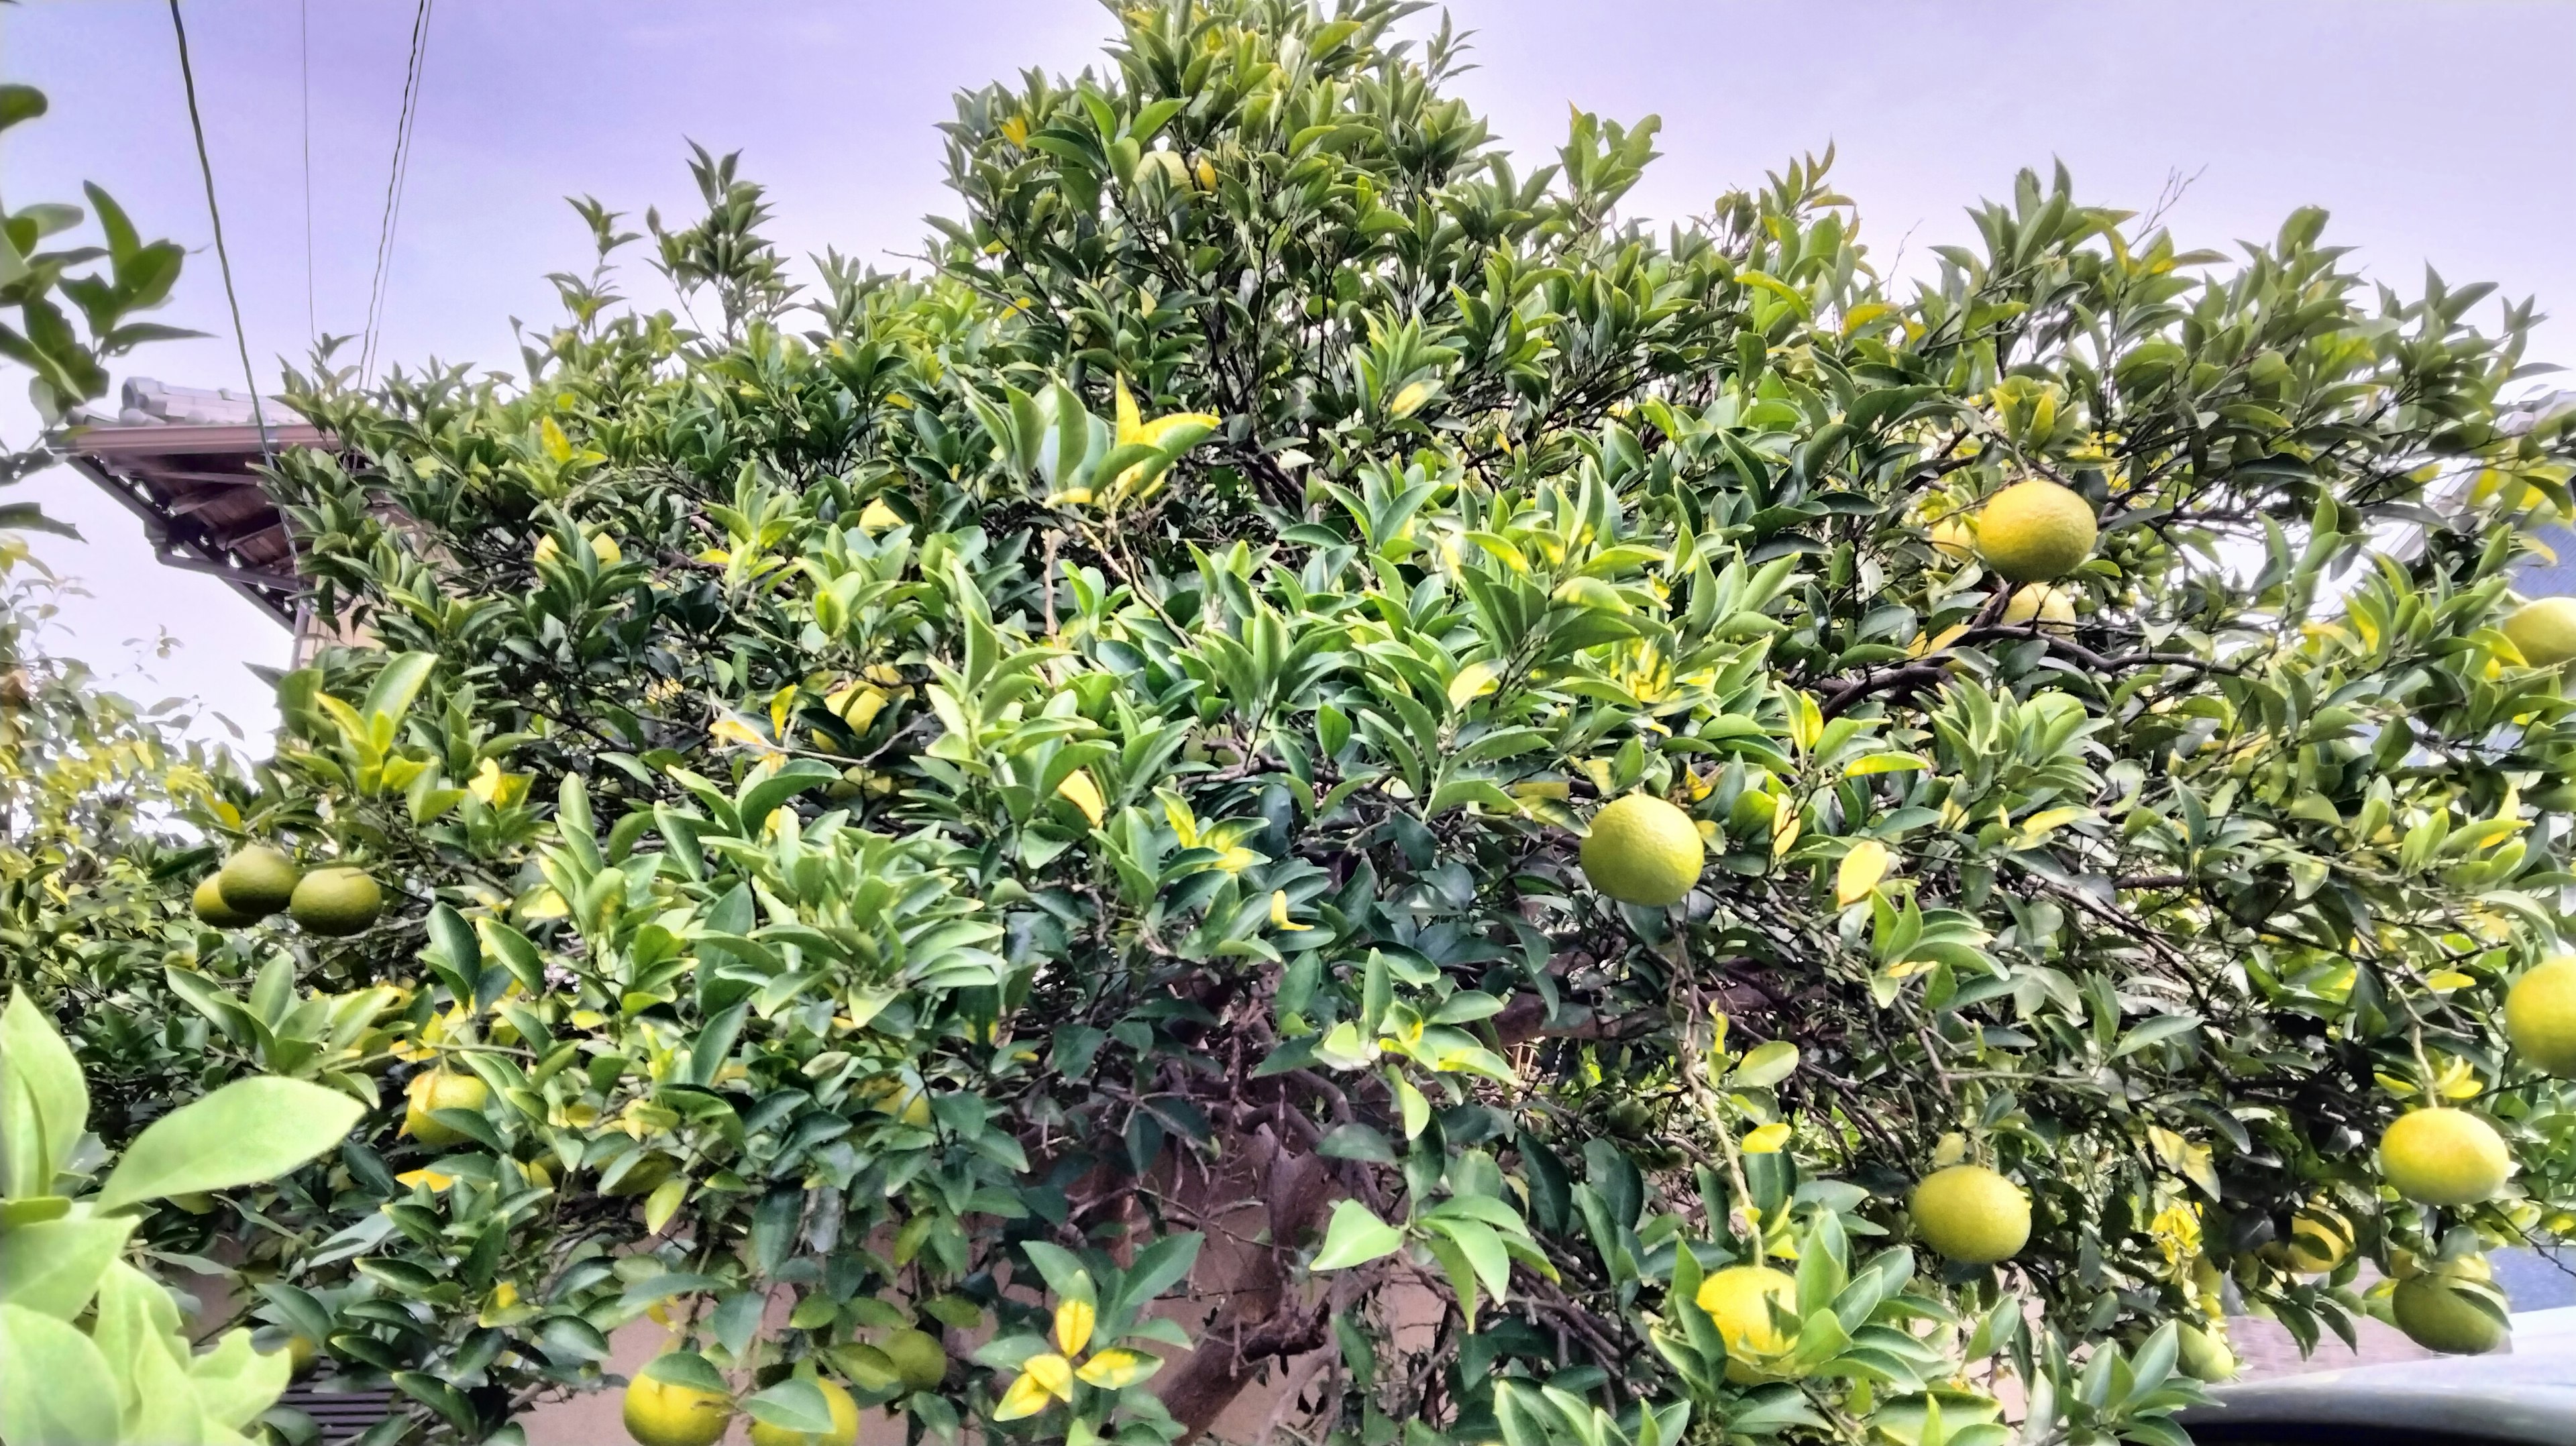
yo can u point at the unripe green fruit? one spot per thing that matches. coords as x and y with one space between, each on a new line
918 1357
336 901
257 882
2205 1354
1971 1214
2435 1311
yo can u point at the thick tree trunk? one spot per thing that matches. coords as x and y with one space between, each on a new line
1256 1318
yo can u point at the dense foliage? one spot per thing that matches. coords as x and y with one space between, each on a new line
1039 802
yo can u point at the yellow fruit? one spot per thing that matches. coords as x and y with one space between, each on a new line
2540 1017
2544 632
1642 850
441 1090
2033 531
602 546
2444 1157
256 882
918 1358
1738 1300
300 1352
1954 538
659 1413
2319 1241
2205 1354
2436 1311
845 1424
2040 601
1971 1214
336 901
208 901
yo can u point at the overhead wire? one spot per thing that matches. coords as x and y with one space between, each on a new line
304 60
215 212
378 289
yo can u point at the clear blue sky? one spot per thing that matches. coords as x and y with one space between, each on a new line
2437 130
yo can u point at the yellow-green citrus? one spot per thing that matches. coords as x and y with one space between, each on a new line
643 1177
1642 850
1954 537
2436 1311
2319 1240
2444 1157
845 1423
208 901
1738 1300
257 882
2039 600
918 1358
2540 1016
439 1089
336 901
2036 530
2205 1354
1971 1214
2544 632
658 1413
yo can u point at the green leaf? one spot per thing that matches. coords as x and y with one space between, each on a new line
687 1368
44 1103
1767 1064
251 1129
1355 1237
77 1405
53 1267
792 1405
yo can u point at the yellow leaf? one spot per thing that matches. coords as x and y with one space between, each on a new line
2449 979
1026 1397
2039 825
431 1178
1860 872
1073 1322
664 1203
1473 681
1785 825
1016 129
1118 1367
1130 427
1053 1373
1410 400
1279 913
1768 1139
1083 792
734 730
1806 720
557 445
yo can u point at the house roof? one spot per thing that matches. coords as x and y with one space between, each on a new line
184 460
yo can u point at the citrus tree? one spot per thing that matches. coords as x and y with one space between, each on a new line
1319 772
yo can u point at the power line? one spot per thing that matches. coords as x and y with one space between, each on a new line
377 290
223 258
304 53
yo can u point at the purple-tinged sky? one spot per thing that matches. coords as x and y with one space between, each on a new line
2438 130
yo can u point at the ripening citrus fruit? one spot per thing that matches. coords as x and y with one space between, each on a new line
440 1090
2437 1311
1971 1214
1954 538
2040 601
602 546
2544 632
208 901
1738 1300
336 901
2444 1157
918 1358
2319 1240
659 1413
256 882
2205 1354
845 1423
1642 850
2540 1016
2036 530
